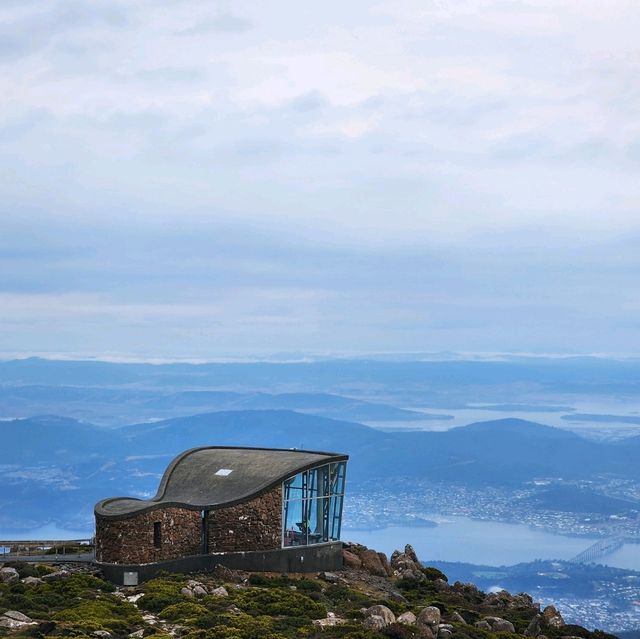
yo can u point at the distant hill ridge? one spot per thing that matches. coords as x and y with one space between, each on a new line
486 447
54 464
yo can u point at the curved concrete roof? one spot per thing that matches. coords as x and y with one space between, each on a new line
216 476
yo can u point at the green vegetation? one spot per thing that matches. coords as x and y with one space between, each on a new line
261 607
161 593
105 613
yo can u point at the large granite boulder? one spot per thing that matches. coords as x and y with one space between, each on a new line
381 611
498 624
534 628
428 621
359 557
406 565
552 617
407 618
9 575
374 622
351 560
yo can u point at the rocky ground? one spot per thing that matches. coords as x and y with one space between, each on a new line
371 598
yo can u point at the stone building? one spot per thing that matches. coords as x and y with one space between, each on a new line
247 508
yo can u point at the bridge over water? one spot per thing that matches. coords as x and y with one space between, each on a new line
598 550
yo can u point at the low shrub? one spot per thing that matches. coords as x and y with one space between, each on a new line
185 612
279 602
432 574
105 613
160 593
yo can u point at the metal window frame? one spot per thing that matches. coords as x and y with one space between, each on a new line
328 486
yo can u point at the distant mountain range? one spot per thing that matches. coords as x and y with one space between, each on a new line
58 465
109 406
553 375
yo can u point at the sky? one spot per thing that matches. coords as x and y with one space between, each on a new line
206 179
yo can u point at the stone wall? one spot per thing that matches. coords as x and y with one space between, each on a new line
254 525
131 540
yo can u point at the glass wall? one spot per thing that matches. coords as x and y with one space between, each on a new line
312 505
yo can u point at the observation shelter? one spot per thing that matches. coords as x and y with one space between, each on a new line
256 509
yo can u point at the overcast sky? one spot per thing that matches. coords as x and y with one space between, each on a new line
192 178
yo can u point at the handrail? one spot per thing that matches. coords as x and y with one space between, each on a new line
44 542
14 548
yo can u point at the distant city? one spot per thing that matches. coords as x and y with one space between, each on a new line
371 506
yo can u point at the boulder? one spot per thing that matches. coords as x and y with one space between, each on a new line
394 595
9 575
331 577
552 617
14 620
152 620
17 616
200 591
429 616
138 634
220 591
440 585
227 574
428 621
351 560
507 601
10 624
498 624
101 634
534 628
444 633
456 617
385 564
372 563
406 564
32 581
60 575
484 625
374 622
381 611
187 592
329 621
407 618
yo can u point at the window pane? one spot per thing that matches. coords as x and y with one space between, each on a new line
312 505
335 517
293 488
318 520
337 478
319 481
293 521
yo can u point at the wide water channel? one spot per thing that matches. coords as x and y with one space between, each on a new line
485 542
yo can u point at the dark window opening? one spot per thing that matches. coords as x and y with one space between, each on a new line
157 534
204 531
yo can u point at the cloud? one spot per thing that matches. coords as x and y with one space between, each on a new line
392 174
224 22
27 28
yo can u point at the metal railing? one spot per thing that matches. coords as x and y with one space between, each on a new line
46 549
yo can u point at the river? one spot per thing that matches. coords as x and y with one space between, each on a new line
486 542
